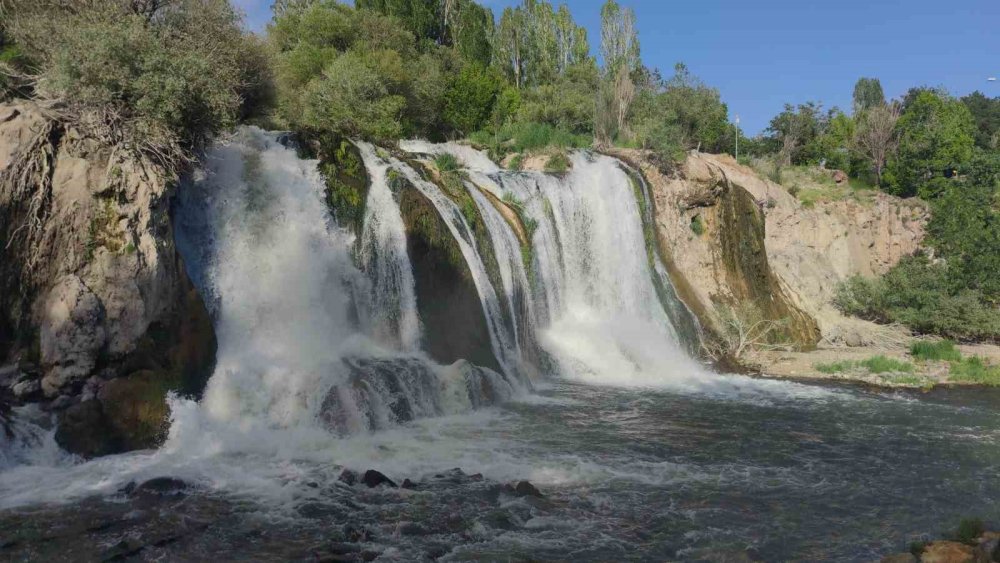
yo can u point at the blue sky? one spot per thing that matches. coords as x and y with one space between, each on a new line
761 54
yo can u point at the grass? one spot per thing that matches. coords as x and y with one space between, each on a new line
835 367
875 364
975 370
558 163
882 364
942 350
446 162
517 162
528 136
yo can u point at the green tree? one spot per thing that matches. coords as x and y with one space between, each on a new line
986 113
620 50
795 129
867 94
470 98
936 134
157 75
535 45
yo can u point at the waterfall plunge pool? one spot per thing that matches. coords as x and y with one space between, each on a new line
749 470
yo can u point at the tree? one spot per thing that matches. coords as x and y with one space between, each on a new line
936 135
876 136
867 94
535 45
795 128
620 50
986 113
469 101
510 45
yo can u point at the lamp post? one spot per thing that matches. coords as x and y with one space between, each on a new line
737 139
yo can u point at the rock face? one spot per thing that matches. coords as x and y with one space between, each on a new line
94 299
730 236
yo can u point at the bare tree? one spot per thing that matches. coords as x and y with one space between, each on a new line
876 137
744 329
620 49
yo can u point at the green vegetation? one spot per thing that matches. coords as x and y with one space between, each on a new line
974 370
969 530
940 350
697 225
446 162
161 76
875 364
558 163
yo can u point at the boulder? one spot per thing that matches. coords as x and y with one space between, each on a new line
374 479
349 477
72 334
526 489
162 486
84 430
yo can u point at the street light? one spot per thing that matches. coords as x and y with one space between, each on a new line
737 139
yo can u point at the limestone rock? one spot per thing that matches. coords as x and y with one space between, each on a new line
72 334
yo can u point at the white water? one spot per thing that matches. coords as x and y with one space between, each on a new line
383 256
603 321
295 319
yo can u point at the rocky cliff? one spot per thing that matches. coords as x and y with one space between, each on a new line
730 236
98 319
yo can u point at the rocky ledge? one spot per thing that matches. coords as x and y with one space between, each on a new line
98 320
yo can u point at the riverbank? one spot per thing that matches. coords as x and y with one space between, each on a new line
864 365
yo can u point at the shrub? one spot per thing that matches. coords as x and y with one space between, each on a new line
153 73
558 163
697 225
941 350
921 295
969 530
446 162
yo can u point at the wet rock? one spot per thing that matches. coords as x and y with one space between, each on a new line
899 558
358 534
84 430
349 477
412 529
72 333
526 489
369 555
26 389
989 547
948 552
436 552
162 486
410 485
61 402
374 479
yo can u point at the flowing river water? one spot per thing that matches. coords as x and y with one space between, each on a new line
638 451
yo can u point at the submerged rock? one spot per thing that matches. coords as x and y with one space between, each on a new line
163 486
374 479
526 489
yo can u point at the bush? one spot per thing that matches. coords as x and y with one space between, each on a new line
969 530
941 350
446 162
697 225
920 295
157 73
557 163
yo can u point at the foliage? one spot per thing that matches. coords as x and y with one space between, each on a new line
969 530
986 115
678 115
919 294
520 137
974 370
469 100
940 350
874 364
867 95
446 162
535 44
697 225
936 135
620 52
965 227
558 163
154 73
566 103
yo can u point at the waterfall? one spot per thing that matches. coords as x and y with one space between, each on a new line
383 257
504 344
305 336
602 303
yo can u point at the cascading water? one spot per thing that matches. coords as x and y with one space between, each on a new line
305 337
601 300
